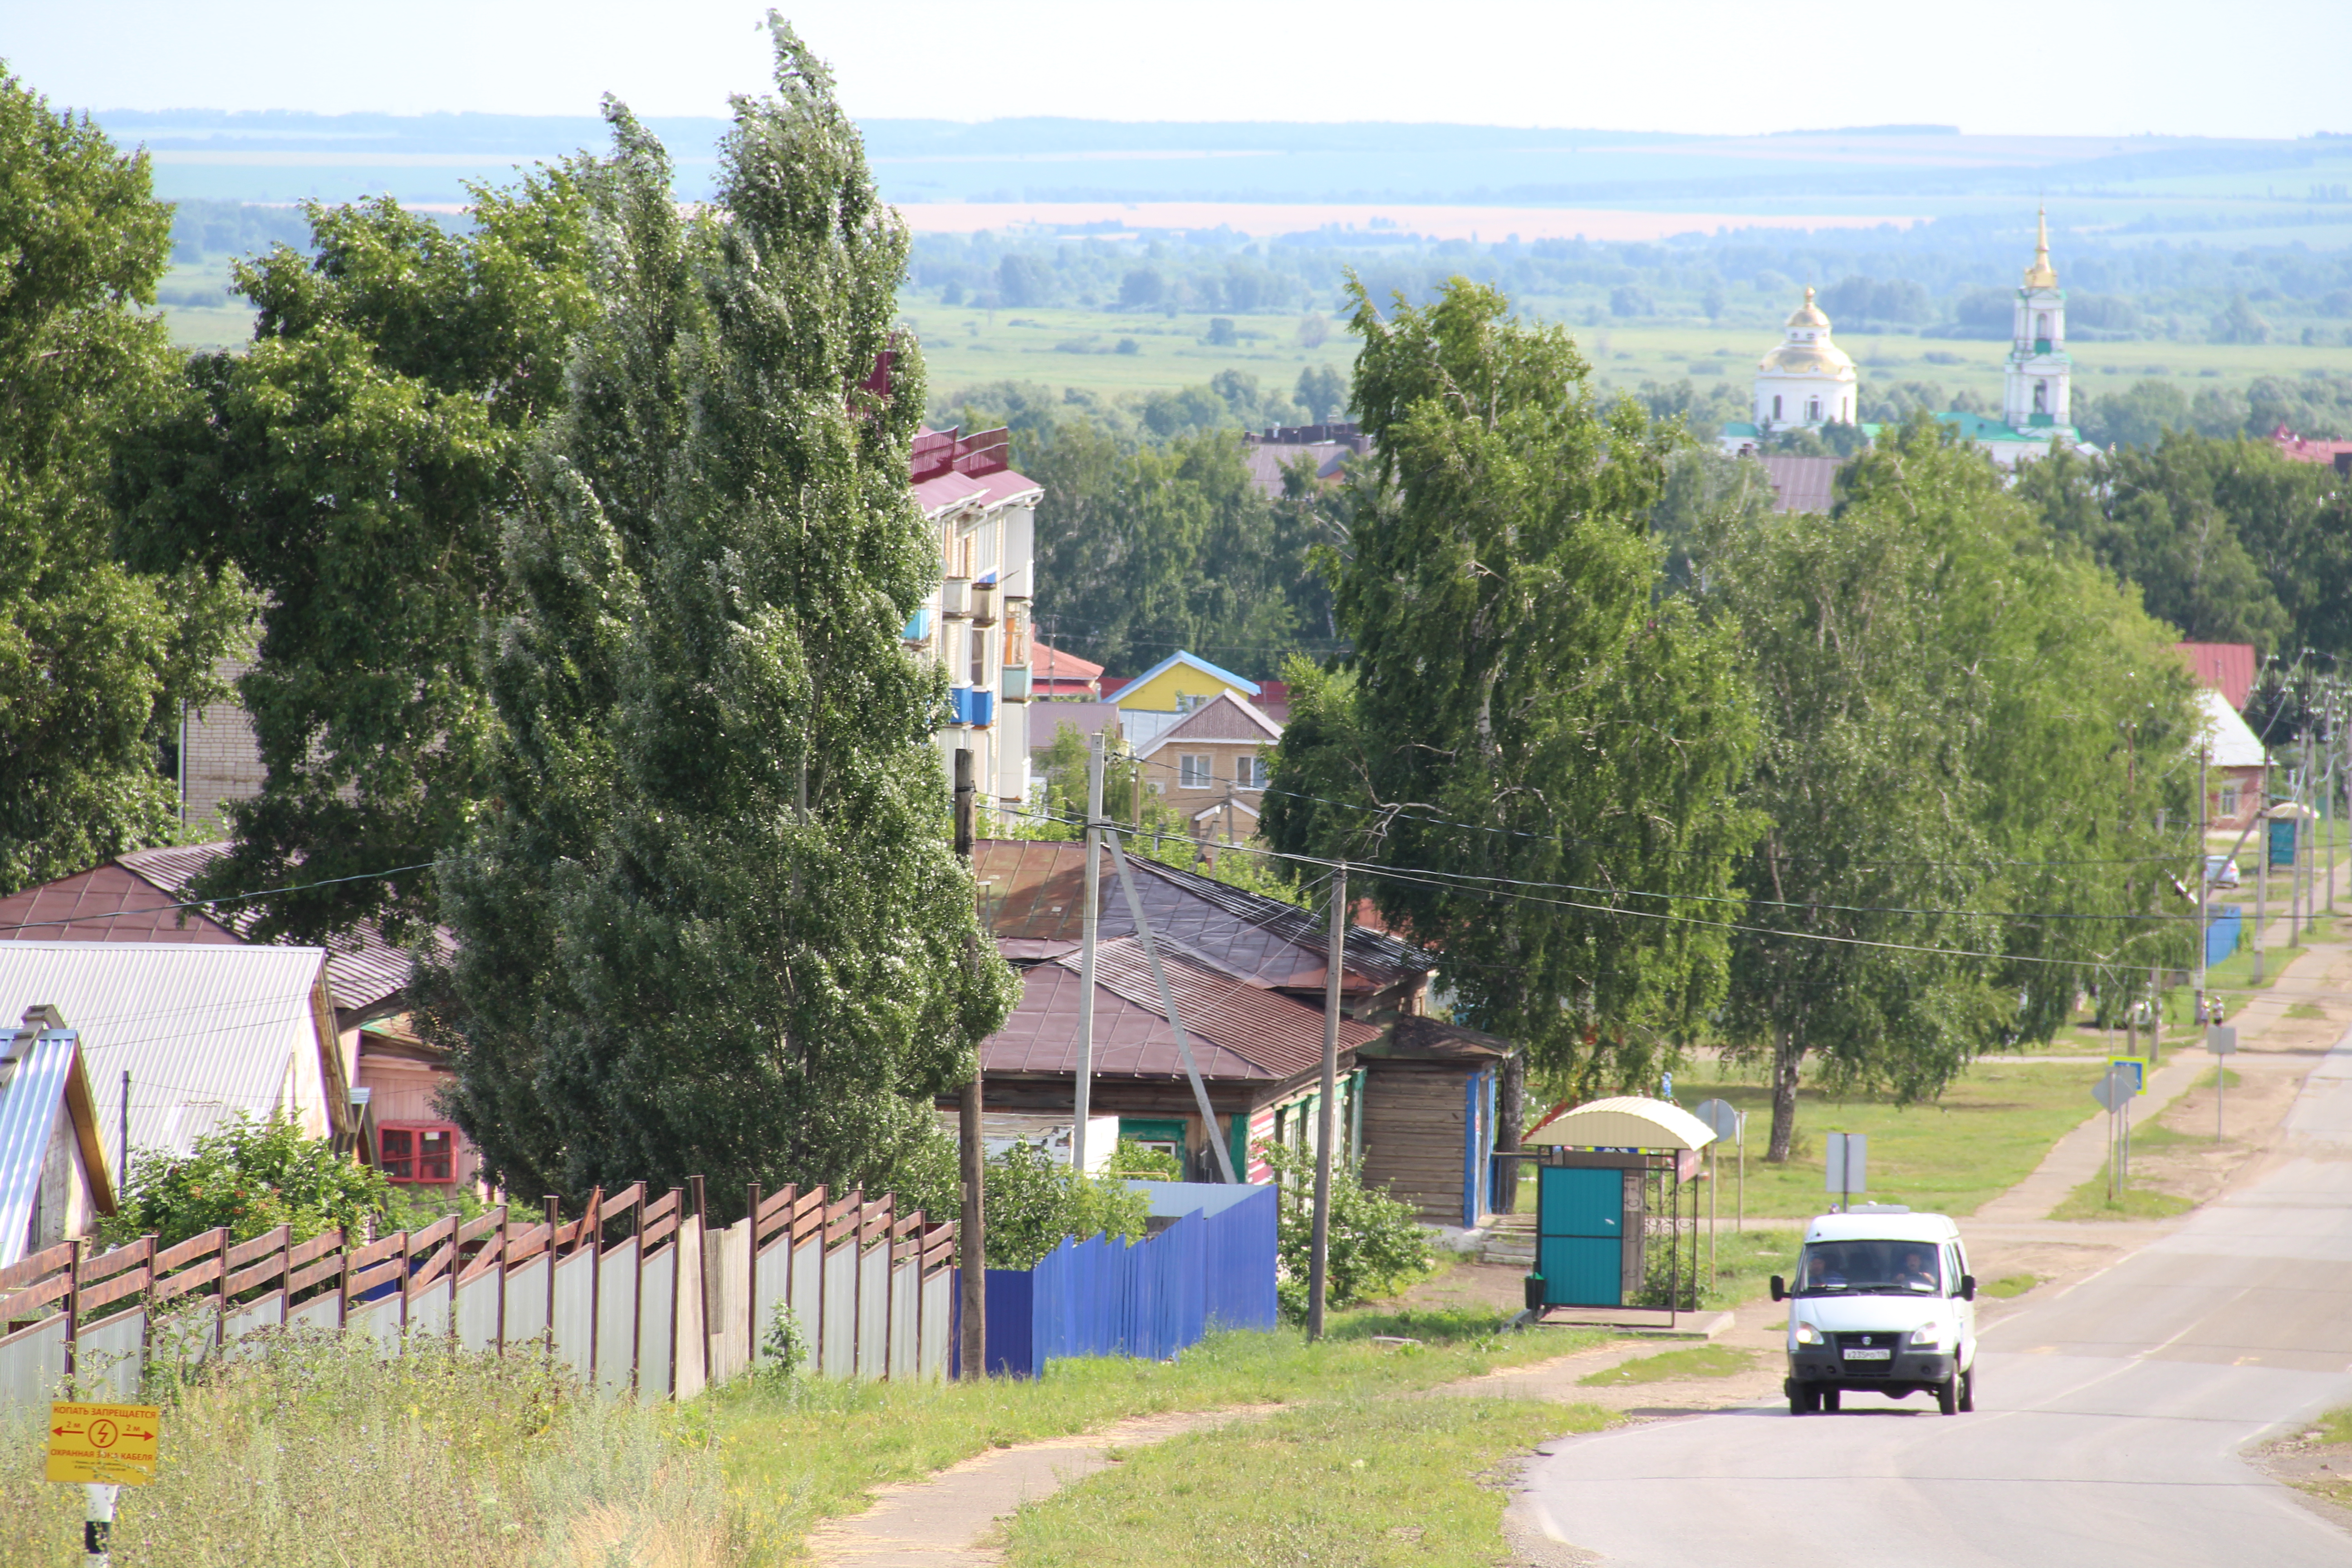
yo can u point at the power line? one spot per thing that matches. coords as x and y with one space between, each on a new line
232 897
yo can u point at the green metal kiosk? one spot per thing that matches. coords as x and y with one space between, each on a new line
1597 1166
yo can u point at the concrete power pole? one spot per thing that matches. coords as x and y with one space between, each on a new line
972 1237
2204 887
1318 1267
1090 921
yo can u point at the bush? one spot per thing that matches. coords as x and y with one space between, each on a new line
251 1176
1377 1246
1034 1201
1133 1162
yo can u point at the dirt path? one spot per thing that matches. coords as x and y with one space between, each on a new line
952 1519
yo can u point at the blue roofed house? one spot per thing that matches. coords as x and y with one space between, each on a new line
1153 702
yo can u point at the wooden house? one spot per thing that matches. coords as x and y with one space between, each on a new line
55 1178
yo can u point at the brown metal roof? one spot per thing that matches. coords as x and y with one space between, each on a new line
1030 892
1239 1030
1425 1039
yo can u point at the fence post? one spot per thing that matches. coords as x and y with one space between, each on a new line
702 1268
751 1280
554 1216
638 1290
498 1344
591 1227
73 1309
343 1291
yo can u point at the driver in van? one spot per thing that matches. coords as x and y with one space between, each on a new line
1821 1274
1916 1273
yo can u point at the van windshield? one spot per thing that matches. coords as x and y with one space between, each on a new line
1862 1268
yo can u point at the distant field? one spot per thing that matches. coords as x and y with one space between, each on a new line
1075 348
964 347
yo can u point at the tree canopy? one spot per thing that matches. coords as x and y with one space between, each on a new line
1543 745
710 920
97 659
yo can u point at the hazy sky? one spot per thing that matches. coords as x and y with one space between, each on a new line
2093 66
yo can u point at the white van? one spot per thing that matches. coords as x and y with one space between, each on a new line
1884 1304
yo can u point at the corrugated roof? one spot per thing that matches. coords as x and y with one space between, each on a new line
364 971
205 1031
1803 484
1030 890
1191 662
1239 1031
2227 668
32 1097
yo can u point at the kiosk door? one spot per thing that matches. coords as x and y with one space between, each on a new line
1580 1236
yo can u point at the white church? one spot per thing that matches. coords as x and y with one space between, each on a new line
1807 381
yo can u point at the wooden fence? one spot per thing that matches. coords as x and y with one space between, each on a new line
638 1294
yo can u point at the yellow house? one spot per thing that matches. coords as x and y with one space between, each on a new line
1153 702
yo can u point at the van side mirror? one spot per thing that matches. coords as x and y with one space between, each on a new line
1967 1287
1779 1288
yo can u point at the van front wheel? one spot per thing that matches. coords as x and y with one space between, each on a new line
1948 1395
1969 1389
1803 1399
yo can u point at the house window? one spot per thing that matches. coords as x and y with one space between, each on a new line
979 658
418 1151
1813 409
1250 772
1192 771
2229 800
1775 406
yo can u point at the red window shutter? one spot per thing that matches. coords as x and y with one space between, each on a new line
396 1154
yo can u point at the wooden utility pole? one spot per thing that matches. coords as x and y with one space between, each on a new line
1319 1266
972 1236
1089 923
2204 895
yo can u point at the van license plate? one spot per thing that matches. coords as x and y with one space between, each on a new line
1870 1355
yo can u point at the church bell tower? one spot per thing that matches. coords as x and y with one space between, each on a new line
2035 395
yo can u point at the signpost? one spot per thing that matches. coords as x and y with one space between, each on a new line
2222 1039
102 1446
2125 1077
1849 1166
1724 1121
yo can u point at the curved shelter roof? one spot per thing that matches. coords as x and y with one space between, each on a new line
1625 1121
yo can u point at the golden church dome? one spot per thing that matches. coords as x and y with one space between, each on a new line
1808 350
1809 314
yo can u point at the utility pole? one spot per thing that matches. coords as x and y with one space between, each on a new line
971 1237
1090 921
2311 861
2262 878
2204 888
1327 1122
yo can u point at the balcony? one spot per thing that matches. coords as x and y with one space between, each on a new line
983 603
955 597
973 706
1014 679
919 626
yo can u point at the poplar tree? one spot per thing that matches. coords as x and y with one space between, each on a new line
712 922
1546 747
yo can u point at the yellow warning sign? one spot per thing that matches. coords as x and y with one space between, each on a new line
103 1443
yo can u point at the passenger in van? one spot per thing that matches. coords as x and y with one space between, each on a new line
1916 1273
1821 1274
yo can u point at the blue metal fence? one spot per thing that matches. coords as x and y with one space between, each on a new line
1211 1265
2221 932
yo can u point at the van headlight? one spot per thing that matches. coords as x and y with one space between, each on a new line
1807 1334
1930 1338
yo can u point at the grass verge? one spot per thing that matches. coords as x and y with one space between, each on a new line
798 1451
2010 1286
1703 1361
1987 1133
1347 1483
308 1448
2089 1200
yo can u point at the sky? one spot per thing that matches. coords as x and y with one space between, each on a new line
1716 66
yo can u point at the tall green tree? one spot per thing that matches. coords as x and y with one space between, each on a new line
1965 727
96 659
711 921
1523 723
353 463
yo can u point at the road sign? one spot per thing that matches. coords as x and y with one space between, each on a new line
2134 1068
2113 1087
112 1443
1720 1118
2222 1039
1849 1163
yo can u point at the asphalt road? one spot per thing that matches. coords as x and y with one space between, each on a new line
2107 1427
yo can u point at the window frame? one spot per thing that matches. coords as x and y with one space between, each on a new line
416 1133
1206 775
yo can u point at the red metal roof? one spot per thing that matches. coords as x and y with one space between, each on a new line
2227 668
1055 672
2305 450
139 889
1238 1030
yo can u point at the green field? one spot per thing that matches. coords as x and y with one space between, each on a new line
963 347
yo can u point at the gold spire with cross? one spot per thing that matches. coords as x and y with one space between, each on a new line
2042 275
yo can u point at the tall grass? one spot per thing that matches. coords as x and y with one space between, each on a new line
304 1448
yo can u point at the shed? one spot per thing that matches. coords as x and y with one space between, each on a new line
1593 1213
55 1181
1429 1114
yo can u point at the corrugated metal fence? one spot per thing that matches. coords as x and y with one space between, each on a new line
637 1293
1211 1264
2222 930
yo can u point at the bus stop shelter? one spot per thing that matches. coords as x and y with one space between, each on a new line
1603 1170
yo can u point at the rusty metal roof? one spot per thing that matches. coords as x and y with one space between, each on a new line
1239 1030
1029 893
